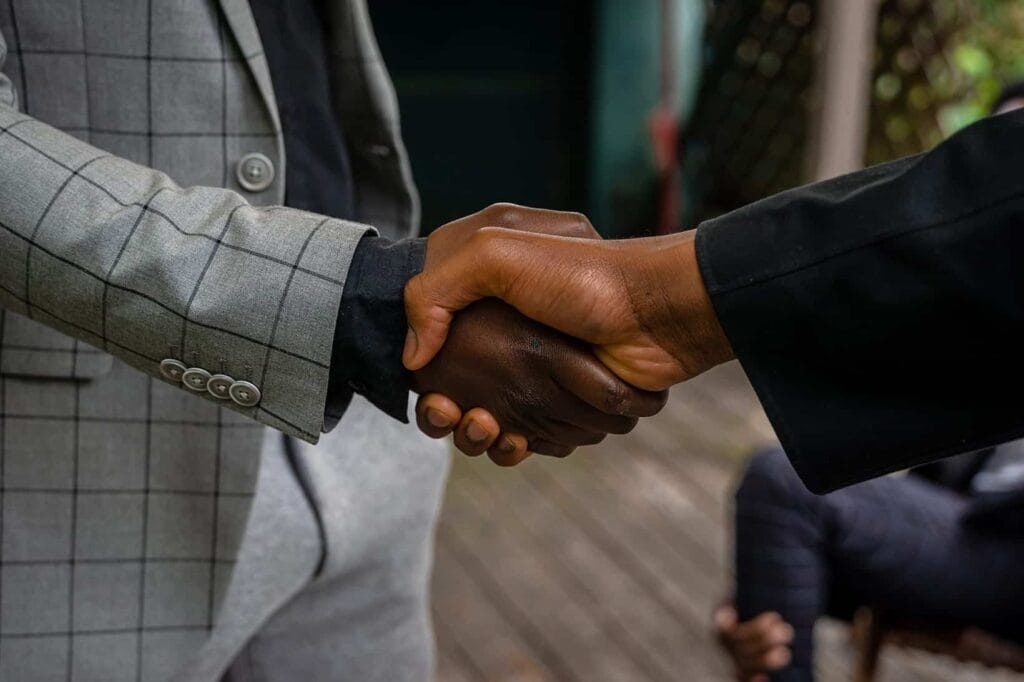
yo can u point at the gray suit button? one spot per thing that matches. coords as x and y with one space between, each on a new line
172 369
255 172
195 378
245 394
219 386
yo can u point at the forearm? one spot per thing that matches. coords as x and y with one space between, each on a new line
878 315
120 257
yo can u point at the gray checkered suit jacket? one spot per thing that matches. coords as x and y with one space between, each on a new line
128 240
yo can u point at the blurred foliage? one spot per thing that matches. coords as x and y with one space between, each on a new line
940 65
988 53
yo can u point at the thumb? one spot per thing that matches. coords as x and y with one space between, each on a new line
435 295
428 324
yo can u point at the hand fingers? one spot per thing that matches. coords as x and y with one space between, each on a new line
769 660
437 415
432 296
768 627
564 433
758 638
758 645
571 411
486 265
590 380
549 449
511 449
777 658
539 220
726 619
477 432
758 649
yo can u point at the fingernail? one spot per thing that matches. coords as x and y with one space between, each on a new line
506 446
411 346
476 433
438 419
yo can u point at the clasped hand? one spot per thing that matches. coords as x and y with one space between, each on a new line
507 385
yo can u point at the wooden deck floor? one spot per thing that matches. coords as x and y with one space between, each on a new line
605 567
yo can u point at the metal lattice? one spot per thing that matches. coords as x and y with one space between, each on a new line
748 135
915 75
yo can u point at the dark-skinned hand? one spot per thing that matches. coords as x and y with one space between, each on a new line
533 381
460 390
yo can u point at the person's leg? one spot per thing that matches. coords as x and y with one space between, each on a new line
901 543
781 565
895 542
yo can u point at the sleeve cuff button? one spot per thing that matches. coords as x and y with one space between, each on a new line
219 386
172 369
245 394
196 379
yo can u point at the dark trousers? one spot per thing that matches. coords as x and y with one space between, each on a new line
893 542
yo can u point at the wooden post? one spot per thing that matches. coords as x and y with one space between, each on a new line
847 34
868 635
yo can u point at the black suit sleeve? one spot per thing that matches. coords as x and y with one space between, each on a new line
880 315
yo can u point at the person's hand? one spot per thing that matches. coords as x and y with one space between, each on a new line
757 647
476 428
546 391
641 302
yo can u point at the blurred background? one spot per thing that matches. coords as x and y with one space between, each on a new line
650 116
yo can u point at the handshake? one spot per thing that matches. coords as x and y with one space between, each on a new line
528 333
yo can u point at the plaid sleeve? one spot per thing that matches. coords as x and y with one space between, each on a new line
120 257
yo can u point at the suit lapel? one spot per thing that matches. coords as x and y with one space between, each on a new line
243 27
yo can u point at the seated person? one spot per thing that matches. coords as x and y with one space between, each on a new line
941 545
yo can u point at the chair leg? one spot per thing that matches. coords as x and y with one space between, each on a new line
868 636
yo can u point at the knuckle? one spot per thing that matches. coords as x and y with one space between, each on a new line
530 399
505 214
480 238
616 397
549 448
581 226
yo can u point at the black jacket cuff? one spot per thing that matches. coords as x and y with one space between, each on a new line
878 314
371 328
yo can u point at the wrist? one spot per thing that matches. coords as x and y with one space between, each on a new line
371 326
685 319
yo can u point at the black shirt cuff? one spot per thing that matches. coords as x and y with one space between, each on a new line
371 328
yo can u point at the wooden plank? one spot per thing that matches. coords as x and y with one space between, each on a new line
646 489
532 596
728 392
638 618
448 670
481 642
679 590
605 566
